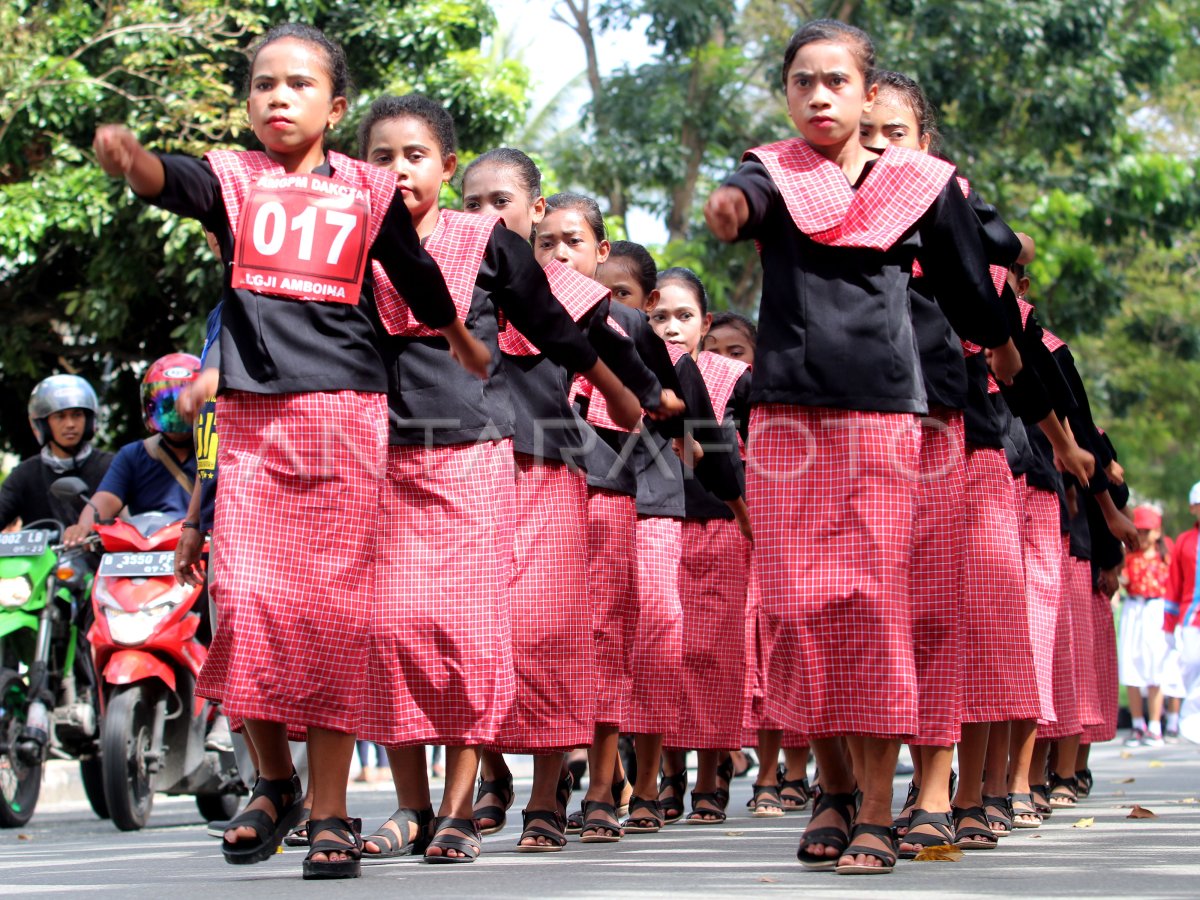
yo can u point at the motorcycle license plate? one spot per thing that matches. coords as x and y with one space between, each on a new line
138 565
24 543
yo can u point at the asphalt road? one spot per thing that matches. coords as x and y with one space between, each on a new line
66 850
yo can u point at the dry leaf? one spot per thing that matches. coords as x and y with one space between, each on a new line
24 837
1125 781
1140 812
1085 823
1036 836
939 853
1187 801
767 879
1156 763
1125 754
734 833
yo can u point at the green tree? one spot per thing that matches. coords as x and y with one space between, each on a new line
98 284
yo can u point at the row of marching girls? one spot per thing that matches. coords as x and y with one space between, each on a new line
918 576
394 395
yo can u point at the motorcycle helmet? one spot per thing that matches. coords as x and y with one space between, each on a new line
56 393
161 386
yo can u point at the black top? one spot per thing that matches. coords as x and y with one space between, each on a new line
834 323
26 491
700 503
271 345
1081 536
984 422
942 366
432 400
1087 435
1043 476
1016 442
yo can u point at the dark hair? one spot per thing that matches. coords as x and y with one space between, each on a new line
1018 269
833 31
527 171
410 106
585 206
335 57
639 262
688 279
735 320
914 95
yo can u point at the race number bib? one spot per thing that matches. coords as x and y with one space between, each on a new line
304 237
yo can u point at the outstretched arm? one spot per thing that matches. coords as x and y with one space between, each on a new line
122 155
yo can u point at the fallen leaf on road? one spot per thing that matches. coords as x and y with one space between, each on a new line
1125 781
1125 754
939 853
734 833
1140 812
767 879
1037 837
24 837
1085 823
1156 763
1187 801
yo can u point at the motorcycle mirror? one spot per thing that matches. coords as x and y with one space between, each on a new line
69 488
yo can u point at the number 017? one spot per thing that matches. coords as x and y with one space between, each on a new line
271 228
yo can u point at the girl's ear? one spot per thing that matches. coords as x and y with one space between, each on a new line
869 97
926 140
539 210
1023 286
602 251
337 109
651 300
449 167
704 329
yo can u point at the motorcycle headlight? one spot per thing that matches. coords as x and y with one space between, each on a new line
131 628
16 591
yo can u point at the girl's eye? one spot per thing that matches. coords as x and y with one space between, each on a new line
685 316
471 205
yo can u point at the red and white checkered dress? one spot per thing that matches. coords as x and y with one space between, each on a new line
657 655
760 640
550 613
998 676
1087 680
1105 649
441 656
297 516
1066 702
831 495
612 584
1041 551
938 555
713 572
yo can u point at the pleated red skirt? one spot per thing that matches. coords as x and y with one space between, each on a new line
1066 701
712 590
999 680
831 495
1041 550
1087 679
760 638
657 658
1105 649
550 613
612 584
297 524
938 555
441 651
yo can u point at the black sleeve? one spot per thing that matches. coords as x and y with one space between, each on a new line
1027 396
753 180
1035 353
737 413
651 348
621 355
12 495
523 294
1087 435
1000 242
719 469
191 188
955 261
411 269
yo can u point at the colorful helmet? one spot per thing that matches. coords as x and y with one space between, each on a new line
56 393
164 381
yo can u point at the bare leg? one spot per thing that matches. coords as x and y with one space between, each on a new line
412 789
706 780
274 761
1022 739
462 765
933 765
547 770
878 768
648 748
492 767
996 766
972 751
329 757
1154 700
604 762
837 777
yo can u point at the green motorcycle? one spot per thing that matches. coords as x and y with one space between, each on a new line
48 694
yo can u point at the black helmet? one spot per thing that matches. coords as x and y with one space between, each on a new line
56 393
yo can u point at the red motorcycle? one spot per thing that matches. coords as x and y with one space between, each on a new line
153 726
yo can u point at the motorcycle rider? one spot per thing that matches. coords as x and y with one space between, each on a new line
62 414
155 474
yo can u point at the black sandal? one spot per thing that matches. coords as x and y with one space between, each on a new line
725 775
887 857
801 791
829 835
551 830
566 786
901 822
973 837
650 819
393 846
938 821
1023 805
618 795
671 809
498 816
1062 792
1003 818
702 816
468 846
766 802
298 836
347 839
594 823
575 821
1041 801
268 832
1083 783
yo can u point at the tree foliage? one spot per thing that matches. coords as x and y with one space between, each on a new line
97 284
